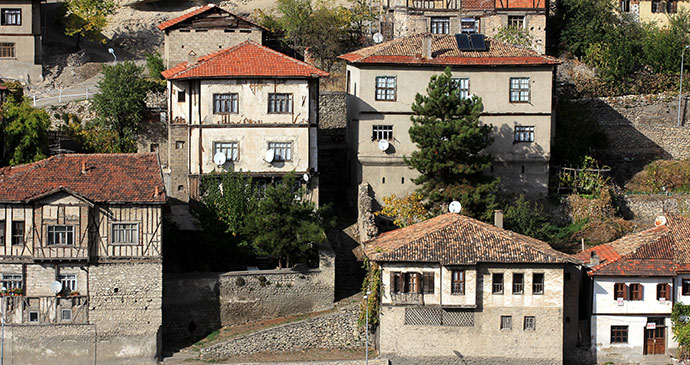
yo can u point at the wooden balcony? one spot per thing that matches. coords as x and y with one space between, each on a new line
434 4
45 310
407 298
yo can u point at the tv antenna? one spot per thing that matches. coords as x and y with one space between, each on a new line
455 207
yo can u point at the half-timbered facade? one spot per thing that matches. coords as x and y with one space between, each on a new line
635 282
454 285
93 224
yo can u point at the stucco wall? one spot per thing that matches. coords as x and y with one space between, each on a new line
604 301
26 65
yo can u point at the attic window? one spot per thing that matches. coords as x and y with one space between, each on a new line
229 31
184 30
245 30
201 30
686 287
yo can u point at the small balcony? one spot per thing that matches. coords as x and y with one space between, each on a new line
407 298
45 310
434 4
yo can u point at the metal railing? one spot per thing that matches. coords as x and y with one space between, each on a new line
62 96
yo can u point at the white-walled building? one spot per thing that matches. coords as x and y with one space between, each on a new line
454 285
243 102
635 282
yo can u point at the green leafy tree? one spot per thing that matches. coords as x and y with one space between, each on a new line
87 18
528 217
286 226
516 36
26 132
229 199
450 141
120 104
680 316
154 65
585 22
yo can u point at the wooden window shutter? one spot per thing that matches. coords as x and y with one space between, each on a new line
668 292
401 282
640 292
428 286
418 276
625 292
393 283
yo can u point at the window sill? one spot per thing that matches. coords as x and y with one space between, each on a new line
226 113
60 246
518 293
125 244
279 113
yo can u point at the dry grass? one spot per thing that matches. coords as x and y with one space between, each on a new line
661 175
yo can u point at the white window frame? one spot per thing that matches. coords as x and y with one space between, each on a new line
12 281
68 281
529 323
227 103
127 235
468 25
381 131
386 88
506 323
62 314
60 235
38 316
231 150
439 25
520 89
463 85
516 21
11 17
282 151
524 134
279 103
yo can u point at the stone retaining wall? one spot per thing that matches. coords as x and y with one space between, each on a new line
646 207
196 304
338 330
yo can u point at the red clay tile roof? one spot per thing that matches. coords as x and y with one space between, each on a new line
445 52
169 23
659 251
453 239
108 178
247 59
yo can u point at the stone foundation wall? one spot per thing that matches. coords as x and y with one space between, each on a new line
646 207
196 304
50 344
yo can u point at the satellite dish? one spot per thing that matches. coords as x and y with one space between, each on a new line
219 158
455 207
269 156
378 37
660 221
55 287
383 145
305 177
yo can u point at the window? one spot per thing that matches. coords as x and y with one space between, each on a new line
409 282
11 16
463 84
2 233
663 291
620 291
440 25
179 145
33 316
518 283
636 292
280 103
385 88
468 25
672 6
68 281
181 96
524 133
7 50
619 334
519 89
154 147
457 282
282 151
428 283
656 6
66 315
497 284
225 103
516 21
538 284
685 290
625 6
17 232
231 150
379 132
506 322
12 281
61 235
125 233
530 323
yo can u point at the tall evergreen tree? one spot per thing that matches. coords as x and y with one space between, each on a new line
450 140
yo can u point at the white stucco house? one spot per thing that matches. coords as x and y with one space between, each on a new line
636 280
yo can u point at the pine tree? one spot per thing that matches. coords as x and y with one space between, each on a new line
450 140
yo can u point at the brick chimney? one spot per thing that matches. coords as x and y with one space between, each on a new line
83 167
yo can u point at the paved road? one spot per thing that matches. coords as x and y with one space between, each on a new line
75 92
